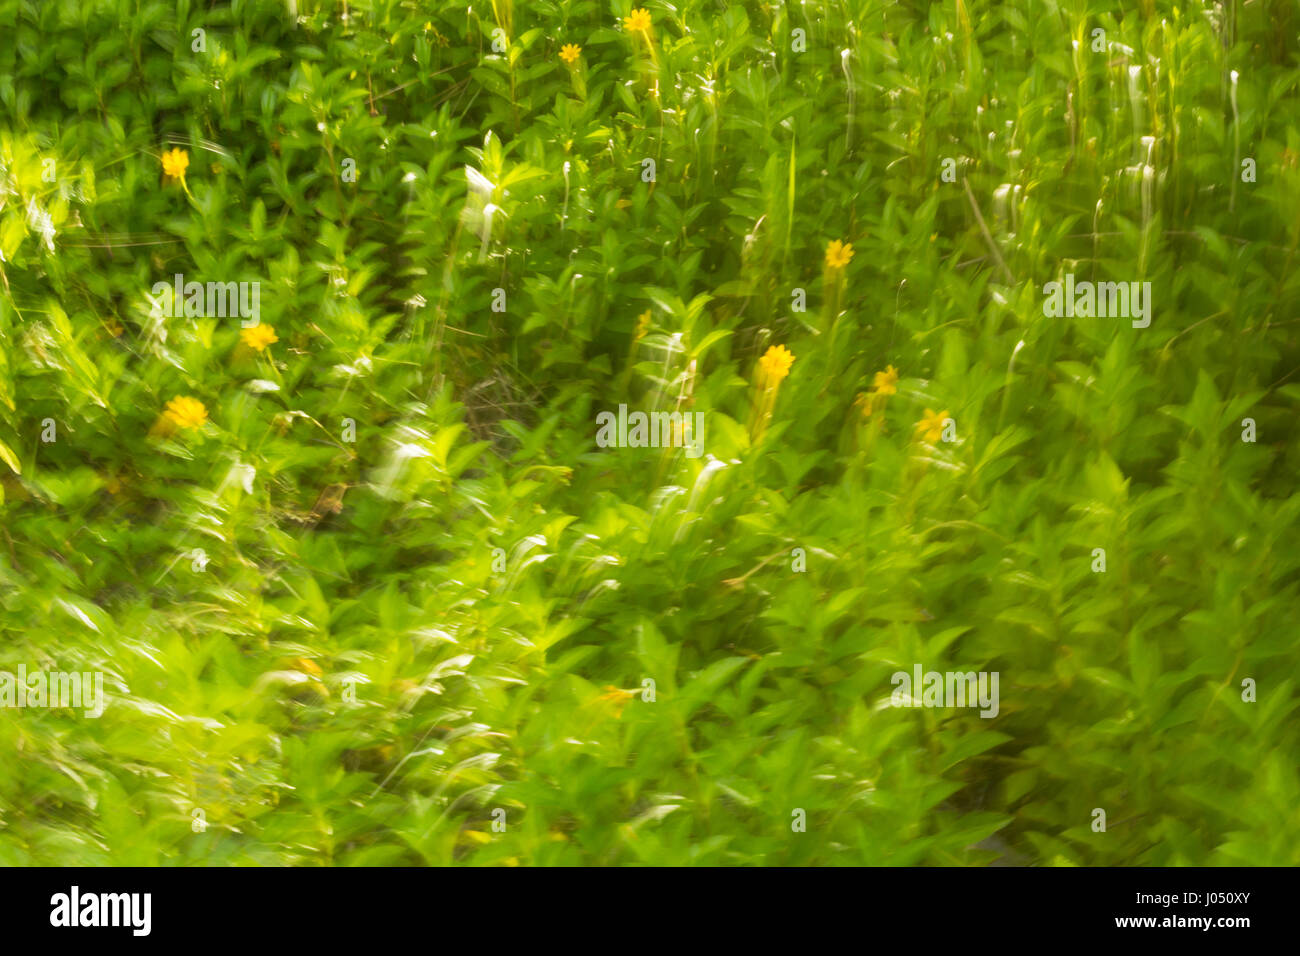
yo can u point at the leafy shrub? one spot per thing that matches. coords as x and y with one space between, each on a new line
387 639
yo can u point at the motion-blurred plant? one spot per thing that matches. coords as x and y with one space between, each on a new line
363 589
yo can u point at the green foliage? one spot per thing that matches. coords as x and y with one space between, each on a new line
513 679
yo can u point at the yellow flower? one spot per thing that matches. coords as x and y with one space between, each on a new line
774 366
642 324
638 19
838 254
865 402
931 426
569 53
618 698
175 162
306 666
885 382
258 337
186 412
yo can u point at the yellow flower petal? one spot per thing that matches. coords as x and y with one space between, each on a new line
175 162
185 412
838 254
931 425
774 366
638 19
258 337
885 382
